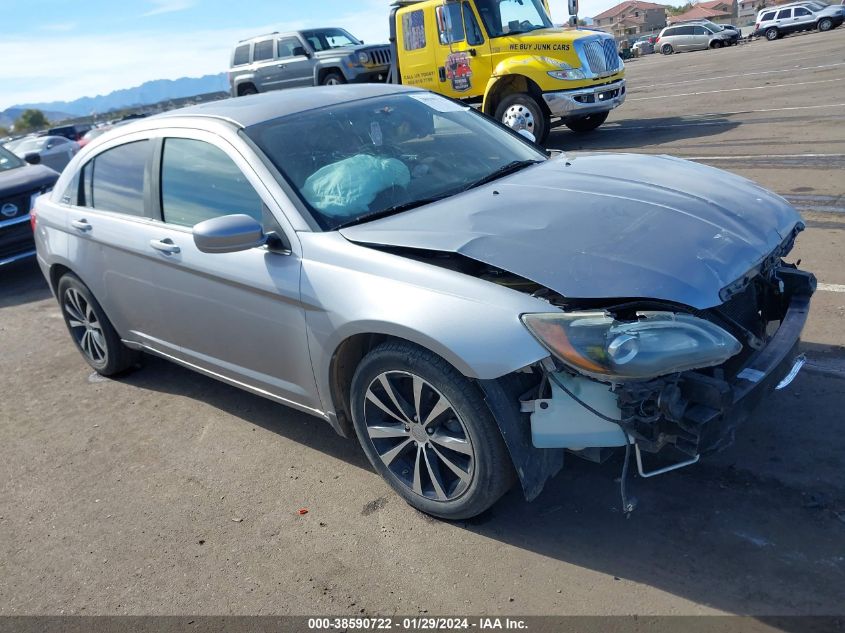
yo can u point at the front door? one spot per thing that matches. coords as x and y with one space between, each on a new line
700 37
237 315
295 66
464 64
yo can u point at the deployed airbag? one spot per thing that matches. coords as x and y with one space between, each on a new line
348 186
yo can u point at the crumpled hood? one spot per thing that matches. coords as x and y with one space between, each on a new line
605 226
26 179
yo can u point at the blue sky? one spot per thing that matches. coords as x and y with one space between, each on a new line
65 49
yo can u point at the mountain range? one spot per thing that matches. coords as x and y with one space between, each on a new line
146 94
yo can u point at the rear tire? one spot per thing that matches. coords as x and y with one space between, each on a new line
521 111
588 123
441 423
825 24
91 330
772 34
333 79
667 49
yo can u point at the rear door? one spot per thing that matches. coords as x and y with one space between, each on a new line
464 63
783 20
296 68
269 74
700 37
235 315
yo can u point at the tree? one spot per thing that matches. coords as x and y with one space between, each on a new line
4 131
31 120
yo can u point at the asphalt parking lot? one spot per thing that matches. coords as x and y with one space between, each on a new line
166 492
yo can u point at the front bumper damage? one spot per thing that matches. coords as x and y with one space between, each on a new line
569 104
688 414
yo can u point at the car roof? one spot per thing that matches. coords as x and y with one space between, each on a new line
254 109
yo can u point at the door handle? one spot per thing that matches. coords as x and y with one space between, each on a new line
165 246
81 225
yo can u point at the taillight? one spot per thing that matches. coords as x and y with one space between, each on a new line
657 40
757 26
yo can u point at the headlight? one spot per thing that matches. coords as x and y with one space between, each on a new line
363 58
657 343
567 74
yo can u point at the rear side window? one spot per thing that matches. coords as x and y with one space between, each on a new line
263 50
114 180
768 16
413 30
199 182
241 55
784 13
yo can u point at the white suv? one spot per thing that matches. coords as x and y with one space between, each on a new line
775 22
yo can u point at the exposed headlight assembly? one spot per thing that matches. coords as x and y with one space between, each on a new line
363 58
565 71
656 344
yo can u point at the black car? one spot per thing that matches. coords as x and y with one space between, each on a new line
20 183
73 132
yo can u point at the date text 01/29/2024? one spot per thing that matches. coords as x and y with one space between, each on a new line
414 623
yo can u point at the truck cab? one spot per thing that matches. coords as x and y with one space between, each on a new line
508 57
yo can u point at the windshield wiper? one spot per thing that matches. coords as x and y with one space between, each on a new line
405 206
504 170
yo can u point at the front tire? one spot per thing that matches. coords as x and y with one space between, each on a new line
521 111
772 34
588 123
717 44
91 330
825 24
427 431
333 79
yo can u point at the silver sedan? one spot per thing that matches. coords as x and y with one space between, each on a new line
53 151
426 280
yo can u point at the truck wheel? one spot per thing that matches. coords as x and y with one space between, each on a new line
587 123
825 24
772 34
667 49
333 79
521 111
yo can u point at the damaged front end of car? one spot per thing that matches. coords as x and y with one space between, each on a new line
664 378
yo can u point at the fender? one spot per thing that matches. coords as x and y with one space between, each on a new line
330 63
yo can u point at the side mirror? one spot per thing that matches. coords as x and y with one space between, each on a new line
528 135
299 51
33 158
228 234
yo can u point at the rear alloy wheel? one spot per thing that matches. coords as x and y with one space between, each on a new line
667 49
521 111
587 123
771 34
333 79
825 24
426 429
93 333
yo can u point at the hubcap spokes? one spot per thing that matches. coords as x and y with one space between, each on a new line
519 117
85 326
419 436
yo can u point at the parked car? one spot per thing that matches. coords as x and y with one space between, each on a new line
775 22
53 151
72 132
691 37
312 57
20 184
644 45
354 254
732 32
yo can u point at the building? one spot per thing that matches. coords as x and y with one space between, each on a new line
631 19
719 11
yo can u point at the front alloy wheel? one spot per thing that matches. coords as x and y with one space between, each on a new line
428 431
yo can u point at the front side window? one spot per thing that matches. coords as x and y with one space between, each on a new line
456 23
263 51
199 182
383 155
290 47
801 11
413 30
509 17
699 30
241 55
114 180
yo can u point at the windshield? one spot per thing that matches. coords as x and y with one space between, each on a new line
509 17
8 160
382 155
325 39
30 145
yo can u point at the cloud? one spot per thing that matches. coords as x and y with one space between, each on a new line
169 6
59 27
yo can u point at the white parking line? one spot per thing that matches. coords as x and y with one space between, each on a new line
709 92
831 287
743 75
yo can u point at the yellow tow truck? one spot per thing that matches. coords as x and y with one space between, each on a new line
507 57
